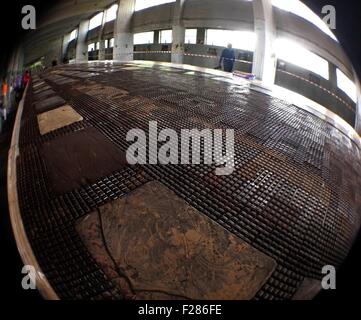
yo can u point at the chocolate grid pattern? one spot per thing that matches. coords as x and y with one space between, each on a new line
293 194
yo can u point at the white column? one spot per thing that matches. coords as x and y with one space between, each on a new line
358 105
332 71
81 54
264 59
101 55
66 41
101 49
123 35
178 32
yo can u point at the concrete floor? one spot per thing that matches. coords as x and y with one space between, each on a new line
292 203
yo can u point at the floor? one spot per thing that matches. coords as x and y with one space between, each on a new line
291 206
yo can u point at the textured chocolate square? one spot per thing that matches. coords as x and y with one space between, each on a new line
39 89
154 245
38 83
57 118
44 94
79 159
49 104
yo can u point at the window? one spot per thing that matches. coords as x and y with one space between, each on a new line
91 47
106 42
165 36
143 4
346 85
298 8
294 53
144 38
245 40
111 43
111 13
96 21
191 36
73 35
97 46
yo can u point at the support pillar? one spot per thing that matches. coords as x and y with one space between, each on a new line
358 105
332 71
101 53
178 33
156 37
264 58
101 49
123 35
66 40
201 36
81 54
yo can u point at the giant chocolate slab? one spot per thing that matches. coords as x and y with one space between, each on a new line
154 245
48 104
80 158
57 118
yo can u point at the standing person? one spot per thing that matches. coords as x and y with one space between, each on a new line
4 88
1 114
4 91
18 87
228 57
26 78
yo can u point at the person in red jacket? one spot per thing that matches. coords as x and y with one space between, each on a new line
26 78
3 96
4 88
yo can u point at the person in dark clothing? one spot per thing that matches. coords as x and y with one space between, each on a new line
228 57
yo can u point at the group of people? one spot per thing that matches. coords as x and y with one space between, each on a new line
11 92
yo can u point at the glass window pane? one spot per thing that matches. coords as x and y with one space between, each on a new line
111 13
298 8
191 36
91 47
144 37
166 36
292 52
106 43
111 43
96 21
143 4
244 40
73 35
346 85
97 45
